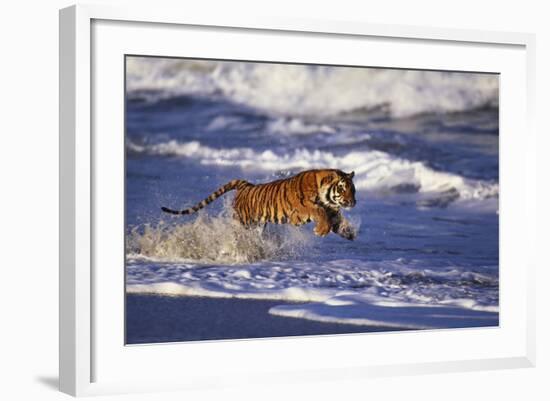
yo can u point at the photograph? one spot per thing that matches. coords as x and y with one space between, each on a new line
272 199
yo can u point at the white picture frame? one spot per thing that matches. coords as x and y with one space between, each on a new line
86 346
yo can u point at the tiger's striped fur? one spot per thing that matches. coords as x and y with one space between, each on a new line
313 195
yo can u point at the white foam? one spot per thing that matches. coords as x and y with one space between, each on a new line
313 90
391 293
374 170
400 315
227 291
297 126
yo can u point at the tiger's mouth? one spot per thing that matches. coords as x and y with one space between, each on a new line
348 204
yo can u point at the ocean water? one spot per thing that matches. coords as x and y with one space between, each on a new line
424 148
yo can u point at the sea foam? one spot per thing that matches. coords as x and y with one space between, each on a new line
391 293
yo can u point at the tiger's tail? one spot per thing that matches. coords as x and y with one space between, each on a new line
231 185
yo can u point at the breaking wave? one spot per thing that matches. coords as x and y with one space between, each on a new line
284 89
374 170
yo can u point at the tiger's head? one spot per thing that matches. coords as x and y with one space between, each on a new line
339 191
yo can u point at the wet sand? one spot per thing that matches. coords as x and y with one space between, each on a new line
158 319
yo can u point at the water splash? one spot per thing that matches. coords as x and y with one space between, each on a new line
214 239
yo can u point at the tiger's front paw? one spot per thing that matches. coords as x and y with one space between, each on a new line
348 232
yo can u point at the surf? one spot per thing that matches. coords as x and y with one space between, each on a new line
376 171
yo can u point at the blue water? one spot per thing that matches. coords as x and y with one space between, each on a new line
426 213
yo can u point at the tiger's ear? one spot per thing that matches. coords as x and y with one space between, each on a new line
352 174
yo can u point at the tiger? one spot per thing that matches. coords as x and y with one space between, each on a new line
312 195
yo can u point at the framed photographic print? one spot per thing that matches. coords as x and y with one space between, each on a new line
412 153
246 190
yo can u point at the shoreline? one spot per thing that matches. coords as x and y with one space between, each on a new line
152 318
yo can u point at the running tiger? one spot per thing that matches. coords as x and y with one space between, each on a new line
313 195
